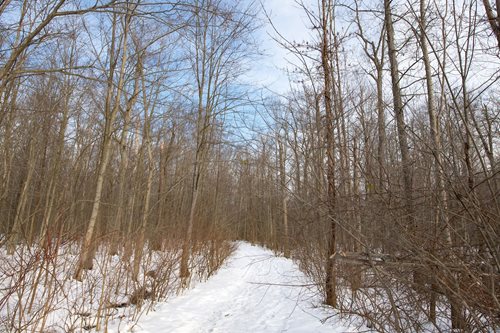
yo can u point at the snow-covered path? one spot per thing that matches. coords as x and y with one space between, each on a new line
250 293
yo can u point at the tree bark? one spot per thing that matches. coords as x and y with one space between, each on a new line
494 21
86 256
400 118
331 293
441 208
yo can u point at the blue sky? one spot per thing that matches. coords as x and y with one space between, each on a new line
290 21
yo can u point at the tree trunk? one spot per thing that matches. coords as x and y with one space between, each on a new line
122 169
441 208
283 189
16 230
400 119
331 293
493 19
149 107
86 256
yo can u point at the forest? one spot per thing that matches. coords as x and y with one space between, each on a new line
135 148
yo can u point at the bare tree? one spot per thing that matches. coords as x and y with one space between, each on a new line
399 115
326 11
218 41
117 50
494 21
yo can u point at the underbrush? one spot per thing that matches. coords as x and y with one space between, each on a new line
38 292
396 299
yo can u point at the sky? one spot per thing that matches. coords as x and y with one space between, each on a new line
290 22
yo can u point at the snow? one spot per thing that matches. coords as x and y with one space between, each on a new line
255 291
41 281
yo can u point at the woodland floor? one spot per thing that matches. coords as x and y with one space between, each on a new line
255 291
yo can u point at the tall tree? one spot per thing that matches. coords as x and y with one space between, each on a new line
326 12
117 50
218 41
400 117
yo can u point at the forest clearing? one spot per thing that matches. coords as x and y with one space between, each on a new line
240 165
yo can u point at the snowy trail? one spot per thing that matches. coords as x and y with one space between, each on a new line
251 293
